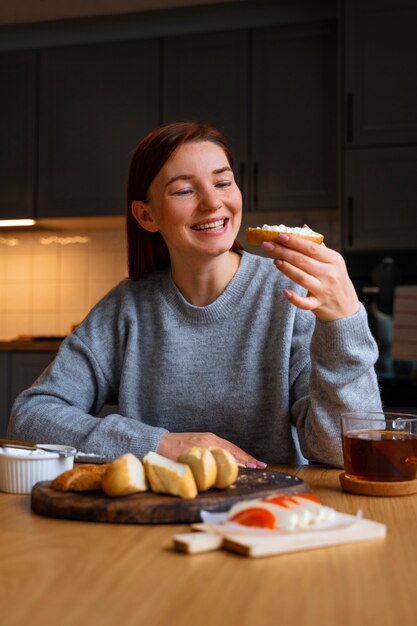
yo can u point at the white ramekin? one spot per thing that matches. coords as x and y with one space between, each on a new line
21 469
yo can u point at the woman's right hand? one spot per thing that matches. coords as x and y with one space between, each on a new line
172 445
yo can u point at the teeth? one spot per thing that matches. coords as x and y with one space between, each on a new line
216 224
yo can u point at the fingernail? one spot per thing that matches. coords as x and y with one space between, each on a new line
278 262
251 465
261 464
267 245
283 237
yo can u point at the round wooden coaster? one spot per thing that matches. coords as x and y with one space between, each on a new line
376 488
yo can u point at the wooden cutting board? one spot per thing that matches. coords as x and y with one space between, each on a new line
152 508
352 529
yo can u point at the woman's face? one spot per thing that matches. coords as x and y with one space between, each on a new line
194 202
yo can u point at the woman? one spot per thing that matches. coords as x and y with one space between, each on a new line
206 344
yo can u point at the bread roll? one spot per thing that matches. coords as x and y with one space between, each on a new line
167 476
227 467
124 476
257 235
86 477
203 466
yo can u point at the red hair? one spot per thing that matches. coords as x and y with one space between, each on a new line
147 251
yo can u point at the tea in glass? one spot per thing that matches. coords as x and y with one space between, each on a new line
380 447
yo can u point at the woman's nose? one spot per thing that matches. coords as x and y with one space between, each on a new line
210 200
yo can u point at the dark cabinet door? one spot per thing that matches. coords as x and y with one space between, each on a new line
294 117
96 103
380 199
18 101
25 367
380 72
18 370
205 78
4 392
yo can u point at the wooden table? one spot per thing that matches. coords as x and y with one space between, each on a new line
119 575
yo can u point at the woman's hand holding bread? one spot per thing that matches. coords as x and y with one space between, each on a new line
320 270
172 445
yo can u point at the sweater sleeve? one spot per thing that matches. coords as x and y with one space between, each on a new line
62 406
338 376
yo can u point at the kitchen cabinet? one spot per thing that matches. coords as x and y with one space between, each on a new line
381 196
82 109
380 125
25 368
18 371
17 132
273 93
294 117
205 78
380 72
96 102
4 394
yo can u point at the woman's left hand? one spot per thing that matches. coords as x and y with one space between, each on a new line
321 271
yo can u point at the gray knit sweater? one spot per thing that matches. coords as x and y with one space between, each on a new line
246 367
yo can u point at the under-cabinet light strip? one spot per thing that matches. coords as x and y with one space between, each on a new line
9 223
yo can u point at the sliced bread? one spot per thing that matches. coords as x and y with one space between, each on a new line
124 476
203 466
227 467
167 476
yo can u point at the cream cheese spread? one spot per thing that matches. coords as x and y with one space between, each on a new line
289 512
26 453
296 230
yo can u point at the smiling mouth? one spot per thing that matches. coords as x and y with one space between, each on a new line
210 225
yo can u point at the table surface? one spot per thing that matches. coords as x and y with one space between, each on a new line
129 575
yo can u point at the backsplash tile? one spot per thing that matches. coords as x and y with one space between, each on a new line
50 280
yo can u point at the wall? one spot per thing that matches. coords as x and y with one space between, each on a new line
50 278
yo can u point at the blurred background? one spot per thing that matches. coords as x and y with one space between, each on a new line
317 98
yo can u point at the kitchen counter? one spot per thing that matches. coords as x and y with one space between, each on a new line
129 574
30 345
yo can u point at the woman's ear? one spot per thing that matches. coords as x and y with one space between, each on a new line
143 216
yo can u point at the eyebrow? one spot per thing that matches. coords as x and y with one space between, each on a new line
227 168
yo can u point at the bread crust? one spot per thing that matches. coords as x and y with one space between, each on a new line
171 477
203 466
227 468
256 236
87 477
124 476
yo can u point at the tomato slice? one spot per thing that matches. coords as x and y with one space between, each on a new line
255 516
284 501
288 501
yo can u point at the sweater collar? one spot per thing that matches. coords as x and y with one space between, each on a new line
222 307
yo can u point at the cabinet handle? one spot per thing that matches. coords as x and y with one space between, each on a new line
350 221
255 185
349 118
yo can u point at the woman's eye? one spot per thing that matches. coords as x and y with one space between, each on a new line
182 192
223 184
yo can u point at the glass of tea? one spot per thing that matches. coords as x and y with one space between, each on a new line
380 446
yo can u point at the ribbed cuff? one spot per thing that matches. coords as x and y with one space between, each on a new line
344 334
